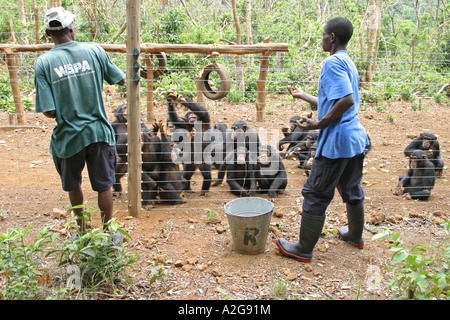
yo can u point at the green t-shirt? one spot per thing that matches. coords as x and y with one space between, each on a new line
69 79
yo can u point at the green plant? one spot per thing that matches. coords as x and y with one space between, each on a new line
421 272
279 287
99 259
21 264
211 214
157 272
391 118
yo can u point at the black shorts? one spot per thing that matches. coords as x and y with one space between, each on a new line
101 163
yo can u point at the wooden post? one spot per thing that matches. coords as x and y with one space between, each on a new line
261 84
134 114
150 105
12 61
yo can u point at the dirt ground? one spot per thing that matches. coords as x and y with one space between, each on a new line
200 261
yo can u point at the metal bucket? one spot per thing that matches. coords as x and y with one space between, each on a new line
249 220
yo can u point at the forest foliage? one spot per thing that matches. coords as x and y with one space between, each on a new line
411 40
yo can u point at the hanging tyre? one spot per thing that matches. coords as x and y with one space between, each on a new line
225 82
162 65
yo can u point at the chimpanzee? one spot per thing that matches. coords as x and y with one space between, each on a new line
241 173
270 172
170 180
292 134
151 150
428 142
149 187
196 118
240 135
120 128
420 178
304 150
216 144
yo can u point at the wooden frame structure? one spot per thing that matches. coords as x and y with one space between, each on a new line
133 48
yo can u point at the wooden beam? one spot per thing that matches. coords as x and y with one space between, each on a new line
210 48
158 47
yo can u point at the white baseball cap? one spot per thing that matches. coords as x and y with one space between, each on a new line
64 17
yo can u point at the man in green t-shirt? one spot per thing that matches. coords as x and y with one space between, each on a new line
69 84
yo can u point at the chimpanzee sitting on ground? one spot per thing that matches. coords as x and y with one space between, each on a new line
428 142
170 180
218 145
239 135
241 174
150 149
270 172
420 178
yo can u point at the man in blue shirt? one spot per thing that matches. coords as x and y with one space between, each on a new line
69 84
340 146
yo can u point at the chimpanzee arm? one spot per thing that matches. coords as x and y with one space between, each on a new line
279 183
176 120
414 145
252 190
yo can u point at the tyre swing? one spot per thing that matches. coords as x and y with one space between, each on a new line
225 81
159 71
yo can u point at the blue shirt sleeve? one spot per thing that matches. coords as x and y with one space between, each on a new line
335 80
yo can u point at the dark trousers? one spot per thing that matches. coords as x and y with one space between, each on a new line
326 175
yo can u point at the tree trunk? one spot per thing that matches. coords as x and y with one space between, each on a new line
21 8
36 19
248 28
369 56
240 86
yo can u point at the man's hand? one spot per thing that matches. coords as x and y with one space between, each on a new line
307 124
296 92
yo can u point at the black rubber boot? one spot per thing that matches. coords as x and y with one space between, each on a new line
353 233
310 230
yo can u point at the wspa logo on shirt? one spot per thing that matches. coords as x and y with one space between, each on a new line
77 68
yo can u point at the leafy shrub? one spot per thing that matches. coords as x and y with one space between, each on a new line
96 256
21 264
422 272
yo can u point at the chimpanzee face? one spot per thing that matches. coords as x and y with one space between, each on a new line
238 127
292 125
241 155
413 162
426 143
192 117
170 126
264 156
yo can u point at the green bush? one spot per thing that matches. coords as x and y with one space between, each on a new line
21 263
96 256
422 272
